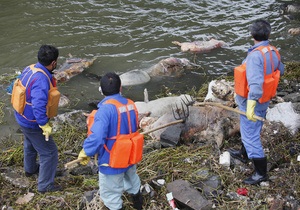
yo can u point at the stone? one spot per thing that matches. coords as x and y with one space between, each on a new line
293 97
187 196
211 185
171 136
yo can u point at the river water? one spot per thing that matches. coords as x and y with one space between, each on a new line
136 34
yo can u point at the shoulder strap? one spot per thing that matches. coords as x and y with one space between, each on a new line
34 70
120 109
264 50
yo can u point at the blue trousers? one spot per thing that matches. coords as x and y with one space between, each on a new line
111 187
250 134
36 146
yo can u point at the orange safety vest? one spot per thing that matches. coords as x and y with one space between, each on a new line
270 81
90 121
128 148
18 98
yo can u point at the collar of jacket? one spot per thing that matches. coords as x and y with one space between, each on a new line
38 65
262 43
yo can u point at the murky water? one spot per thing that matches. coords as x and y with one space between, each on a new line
132 34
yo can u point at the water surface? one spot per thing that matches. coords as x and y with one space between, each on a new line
131 34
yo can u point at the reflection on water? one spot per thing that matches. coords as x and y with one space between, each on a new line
131 34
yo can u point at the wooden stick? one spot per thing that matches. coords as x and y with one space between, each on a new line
67 165
163 126
227 108
47 137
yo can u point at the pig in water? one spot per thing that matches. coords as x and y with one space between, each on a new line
171 67
166 67
71 68
200 46
294 31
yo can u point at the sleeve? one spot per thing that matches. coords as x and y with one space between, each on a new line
39 98
255 75
281 68
99 132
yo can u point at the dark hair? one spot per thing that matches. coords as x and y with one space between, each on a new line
110 84
47 54
260 30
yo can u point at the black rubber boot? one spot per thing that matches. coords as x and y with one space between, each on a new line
260 165
239 154
137 201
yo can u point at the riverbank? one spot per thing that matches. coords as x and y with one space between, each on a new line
193 163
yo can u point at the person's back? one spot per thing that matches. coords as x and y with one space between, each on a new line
111 121
34 121
256 81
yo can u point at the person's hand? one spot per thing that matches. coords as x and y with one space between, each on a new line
250 110
84 157
47 129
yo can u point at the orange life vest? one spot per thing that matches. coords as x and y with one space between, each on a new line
128 148
270 81
90 121
18 98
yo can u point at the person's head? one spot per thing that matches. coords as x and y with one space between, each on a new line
110 84
47 56
260 30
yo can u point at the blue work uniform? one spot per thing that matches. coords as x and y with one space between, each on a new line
250 131
112 181
34 115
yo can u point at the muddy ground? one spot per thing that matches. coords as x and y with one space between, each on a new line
282 191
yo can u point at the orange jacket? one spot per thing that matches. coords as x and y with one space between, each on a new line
270 80
127 148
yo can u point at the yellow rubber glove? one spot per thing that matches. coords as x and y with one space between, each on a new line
250 110
47 129
84 157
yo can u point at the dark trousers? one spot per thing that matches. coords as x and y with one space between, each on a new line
36 146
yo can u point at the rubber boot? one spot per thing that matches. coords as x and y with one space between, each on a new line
239 154
260 166
137 201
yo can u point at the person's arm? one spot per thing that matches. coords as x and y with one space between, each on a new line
99 131
255 75
255 78
281 68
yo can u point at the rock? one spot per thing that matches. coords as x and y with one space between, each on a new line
14 177
296 107
163 120
171 136
90 195
82 170
275 203
187 196
210 186
25 199
293 97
